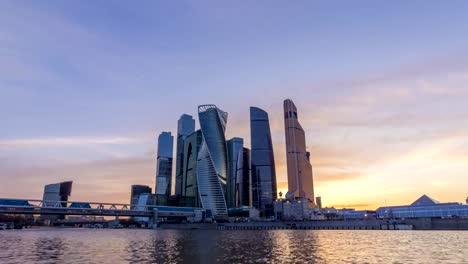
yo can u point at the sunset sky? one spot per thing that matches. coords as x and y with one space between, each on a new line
381 89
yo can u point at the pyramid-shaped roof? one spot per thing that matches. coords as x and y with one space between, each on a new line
424 201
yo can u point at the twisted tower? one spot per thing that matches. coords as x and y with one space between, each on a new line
212 160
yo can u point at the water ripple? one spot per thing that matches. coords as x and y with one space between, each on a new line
213 246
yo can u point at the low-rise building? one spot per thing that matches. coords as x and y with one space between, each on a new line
296 210
424 207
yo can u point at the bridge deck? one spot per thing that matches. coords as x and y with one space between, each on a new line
41 207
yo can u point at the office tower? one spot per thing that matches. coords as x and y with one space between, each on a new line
262 162
54 193
212 160
318 201
57 192
300 179
185 127
244 179
234 147
164 167
189 190
135 192
142 202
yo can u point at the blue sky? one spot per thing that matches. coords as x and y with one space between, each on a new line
86 86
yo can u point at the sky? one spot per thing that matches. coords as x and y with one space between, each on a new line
381 89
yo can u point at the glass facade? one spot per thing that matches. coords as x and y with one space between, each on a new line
264 191
56 192
424 207
212 160
185 127
164 166
244 179
189 190
300 178
234 147
440 210
136 190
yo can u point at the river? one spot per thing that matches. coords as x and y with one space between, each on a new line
214 246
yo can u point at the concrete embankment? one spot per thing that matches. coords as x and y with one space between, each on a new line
187 226
438 223
371 224
316 225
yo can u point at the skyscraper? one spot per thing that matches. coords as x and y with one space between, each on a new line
212 160
234 147
56 192
164 167
185 127
300 179
318 202
135 192
189 191
244 179
263 162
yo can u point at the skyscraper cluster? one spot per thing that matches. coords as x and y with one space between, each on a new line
217 174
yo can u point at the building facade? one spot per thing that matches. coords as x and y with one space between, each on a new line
212 160
424 207
185 127
300 178
244 179
56 192
189 192
234 147
135 192
318 202
264 191
164 167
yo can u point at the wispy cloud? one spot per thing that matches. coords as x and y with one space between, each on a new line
101 180
68 141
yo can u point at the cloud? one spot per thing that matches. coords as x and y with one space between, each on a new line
103 180
67 141
337 176
440 184
356 206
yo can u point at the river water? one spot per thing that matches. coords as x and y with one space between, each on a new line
215 246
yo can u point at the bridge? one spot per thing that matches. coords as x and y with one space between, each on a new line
44 207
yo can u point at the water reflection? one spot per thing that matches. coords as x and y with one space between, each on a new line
213 246
48 248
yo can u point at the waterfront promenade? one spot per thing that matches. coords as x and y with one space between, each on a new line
371 224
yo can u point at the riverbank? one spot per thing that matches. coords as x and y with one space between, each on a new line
371 224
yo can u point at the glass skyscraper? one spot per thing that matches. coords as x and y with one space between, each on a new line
262 162
244 179
189 190
135 192
234 147
164 167
300 179
185 127
212 160
56 192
